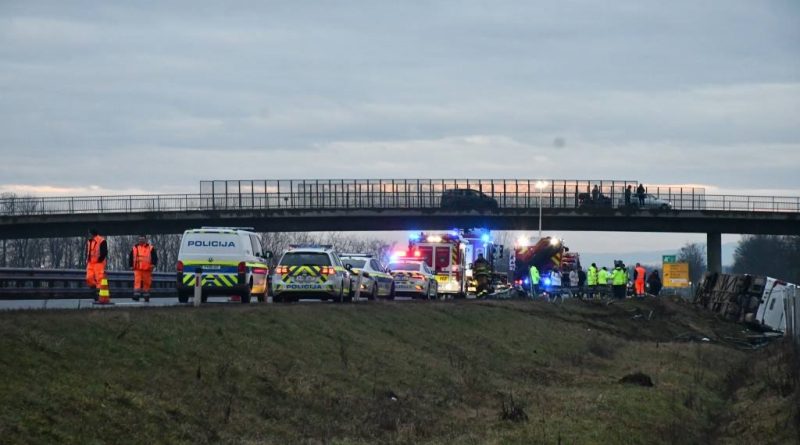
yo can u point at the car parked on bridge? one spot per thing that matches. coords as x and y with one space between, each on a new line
414 278
467 199
230 260
650 202
311 271
376 281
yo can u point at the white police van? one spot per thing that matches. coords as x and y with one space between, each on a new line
231 262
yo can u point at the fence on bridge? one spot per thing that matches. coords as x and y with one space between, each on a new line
395 194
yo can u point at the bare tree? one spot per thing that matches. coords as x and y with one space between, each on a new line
694 254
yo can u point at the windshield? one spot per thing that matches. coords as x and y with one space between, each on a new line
404 266
305 259
355 264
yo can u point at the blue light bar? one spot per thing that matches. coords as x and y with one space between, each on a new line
485 238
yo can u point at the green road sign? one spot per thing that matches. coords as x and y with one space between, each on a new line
669 259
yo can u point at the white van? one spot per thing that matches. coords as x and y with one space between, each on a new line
231 261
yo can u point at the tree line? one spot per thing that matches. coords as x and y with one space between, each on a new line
69 252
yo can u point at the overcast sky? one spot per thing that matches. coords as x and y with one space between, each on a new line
119 97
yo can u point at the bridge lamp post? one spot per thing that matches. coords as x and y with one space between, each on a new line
540 185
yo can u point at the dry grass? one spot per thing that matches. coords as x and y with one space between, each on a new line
468 372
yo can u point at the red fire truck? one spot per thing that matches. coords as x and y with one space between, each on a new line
450 256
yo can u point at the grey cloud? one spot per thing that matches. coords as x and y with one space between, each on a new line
275 86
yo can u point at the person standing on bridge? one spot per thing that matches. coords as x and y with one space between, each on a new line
640 275
595 194
142 260
628 192
96 256
640 191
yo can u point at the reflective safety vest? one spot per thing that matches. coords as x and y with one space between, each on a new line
93 249
534 275
143 257
619 277
591 277
602 276
640 272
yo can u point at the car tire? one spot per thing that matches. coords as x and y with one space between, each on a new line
374 295
391 293
261 297
277 299
664 207
183 298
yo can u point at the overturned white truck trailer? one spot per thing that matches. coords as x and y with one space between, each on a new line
747 298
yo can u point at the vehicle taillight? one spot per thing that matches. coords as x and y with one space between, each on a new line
328 271
180 267
242 267
281 270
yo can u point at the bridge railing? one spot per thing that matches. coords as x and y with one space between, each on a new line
392 194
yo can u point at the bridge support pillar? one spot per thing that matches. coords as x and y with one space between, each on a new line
714 251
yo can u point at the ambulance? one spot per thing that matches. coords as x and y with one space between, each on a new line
230 260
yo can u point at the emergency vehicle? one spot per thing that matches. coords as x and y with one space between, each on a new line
550 256
376 282
311 271
231 262
450 256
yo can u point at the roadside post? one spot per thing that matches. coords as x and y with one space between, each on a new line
198 286
357 296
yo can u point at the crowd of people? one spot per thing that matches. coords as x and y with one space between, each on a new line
594 282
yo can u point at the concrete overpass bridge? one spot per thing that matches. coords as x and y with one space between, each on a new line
407 204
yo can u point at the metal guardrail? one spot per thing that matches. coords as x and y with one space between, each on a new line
388 194
66 284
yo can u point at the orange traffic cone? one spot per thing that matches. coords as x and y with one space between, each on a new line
105 295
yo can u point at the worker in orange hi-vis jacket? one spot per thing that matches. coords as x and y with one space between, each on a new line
96 255
142 260
639 282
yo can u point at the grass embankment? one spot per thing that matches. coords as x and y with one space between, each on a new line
377 373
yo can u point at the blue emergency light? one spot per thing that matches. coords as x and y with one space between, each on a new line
485 238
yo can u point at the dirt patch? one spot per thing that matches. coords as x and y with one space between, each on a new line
637 378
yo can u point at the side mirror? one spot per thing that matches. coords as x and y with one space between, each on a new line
267 254
365 273
348 267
